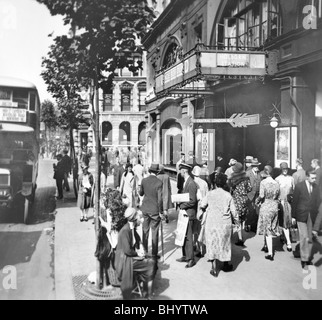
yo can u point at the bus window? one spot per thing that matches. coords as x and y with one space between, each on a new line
32 102
22 97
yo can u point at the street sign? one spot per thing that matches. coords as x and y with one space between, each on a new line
237 120
205 147
243 120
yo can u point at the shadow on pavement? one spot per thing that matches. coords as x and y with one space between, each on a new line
317 248
22 246
44 207
161 284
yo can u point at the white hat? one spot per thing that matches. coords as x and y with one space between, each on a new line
196 171
130 213
232 162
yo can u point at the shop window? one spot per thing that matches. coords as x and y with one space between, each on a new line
108 101
107 133
248 25
125 134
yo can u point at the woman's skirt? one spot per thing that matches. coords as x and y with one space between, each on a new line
268 224
218 242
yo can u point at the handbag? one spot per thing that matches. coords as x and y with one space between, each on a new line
295 234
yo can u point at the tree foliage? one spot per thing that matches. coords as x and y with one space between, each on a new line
108 33
48 114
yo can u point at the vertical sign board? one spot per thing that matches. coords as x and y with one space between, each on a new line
205 147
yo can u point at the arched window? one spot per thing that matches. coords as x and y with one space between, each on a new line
107 133
142 96
125 134
142 134
172 54
248 24
126 96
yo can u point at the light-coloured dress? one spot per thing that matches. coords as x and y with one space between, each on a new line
218 224
268 213
128 184
287 186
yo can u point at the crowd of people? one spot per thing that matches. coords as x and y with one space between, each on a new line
240 198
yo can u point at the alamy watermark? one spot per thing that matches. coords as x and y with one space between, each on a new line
8 17
310 281
311 15
8 278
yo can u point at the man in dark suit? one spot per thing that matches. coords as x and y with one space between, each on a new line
166 191
151 189
305 206
118 172
59 170
191 210
67 164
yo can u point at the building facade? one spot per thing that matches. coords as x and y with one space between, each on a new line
237 77
122 114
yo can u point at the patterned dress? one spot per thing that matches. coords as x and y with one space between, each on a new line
268 213
218 224
240 196
287 186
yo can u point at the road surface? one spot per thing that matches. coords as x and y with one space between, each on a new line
29 248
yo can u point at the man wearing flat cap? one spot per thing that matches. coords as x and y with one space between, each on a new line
191 210
152 208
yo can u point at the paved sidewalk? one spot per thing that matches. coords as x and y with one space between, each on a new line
254 278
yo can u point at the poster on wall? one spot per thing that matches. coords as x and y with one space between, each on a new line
286 146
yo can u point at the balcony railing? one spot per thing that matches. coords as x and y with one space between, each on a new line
204 62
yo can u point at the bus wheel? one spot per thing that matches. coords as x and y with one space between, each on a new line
26 211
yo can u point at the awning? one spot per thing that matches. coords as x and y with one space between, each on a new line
204 64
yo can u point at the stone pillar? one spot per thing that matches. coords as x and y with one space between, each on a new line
134 133
116 132
305 100
158 140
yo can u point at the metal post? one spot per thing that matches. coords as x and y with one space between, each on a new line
97 173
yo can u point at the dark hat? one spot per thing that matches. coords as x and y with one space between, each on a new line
284 165
237 167
154 168
185 166
255 162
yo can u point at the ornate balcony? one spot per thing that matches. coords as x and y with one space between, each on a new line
209 64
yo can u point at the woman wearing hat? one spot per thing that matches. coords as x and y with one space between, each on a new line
130 261
240 186
287 186
268 213
128 185
85 193
218 224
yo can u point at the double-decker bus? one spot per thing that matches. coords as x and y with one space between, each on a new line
19 146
